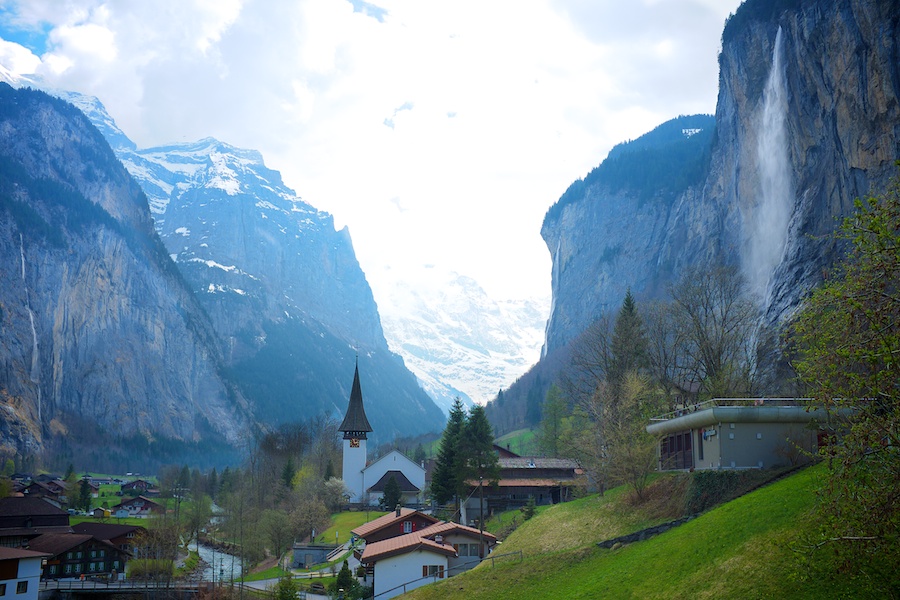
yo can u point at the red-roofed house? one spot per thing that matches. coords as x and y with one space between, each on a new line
412 560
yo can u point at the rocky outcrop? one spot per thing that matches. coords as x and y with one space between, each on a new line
840 121
100 336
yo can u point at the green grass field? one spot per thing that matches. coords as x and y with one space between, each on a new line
742 549
343 522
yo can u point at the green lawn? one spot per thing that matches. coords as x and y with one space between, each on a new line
343 522
742 549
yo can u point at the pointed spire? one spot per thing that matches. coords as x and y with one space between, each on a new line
355 420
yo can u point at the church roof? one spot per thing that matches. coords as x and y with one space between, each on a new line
404 483
355 419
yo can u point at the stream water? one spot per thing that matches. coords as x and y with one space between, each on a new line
218 565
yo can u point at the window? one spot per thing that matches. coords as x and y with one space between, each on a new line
53 569
102 553
700 443
68 569
2 589
433 571
92 567
69 555
407 526
78 568
22 587
93 554
79 554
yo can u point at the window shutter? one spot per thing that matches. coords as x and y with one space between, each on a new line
424 570
413 525
440 571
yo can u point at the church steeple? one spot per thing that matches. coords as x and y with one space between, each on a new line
355 424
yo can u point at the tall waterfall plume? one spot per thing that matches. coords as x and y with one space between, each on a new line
35 374
768 223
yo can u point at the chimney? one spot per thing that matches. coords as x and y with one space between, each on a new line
398 510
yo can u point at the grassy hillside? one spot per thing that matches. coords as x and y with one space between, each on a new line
521 441
742 549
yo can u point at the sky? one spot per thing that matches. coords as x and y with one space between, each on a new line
438 132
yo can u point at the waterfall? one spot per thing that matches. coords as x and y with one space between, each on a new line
35 374
768 226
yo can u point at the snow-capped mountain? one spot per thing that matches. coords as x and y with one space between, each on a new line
457 340
282 287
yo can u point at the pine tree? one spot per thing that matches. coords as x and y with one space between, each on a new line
392 494
629 343
479 460
446 482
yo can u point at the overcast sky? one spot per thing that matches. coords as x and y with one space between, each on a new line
439 132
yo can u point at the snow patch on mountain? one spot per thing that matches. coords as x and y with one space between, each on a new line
457 340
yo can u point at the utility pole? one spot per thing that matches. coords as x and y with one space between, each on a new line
481 517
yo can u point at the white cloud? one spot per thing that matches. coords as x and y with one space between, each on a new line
538 92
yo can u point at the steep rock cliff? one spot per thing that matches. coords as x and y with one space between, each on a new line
831 79
283 289
101 340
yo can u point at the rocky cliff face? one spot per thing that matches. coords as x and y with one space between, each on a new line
283 289
101 340
807 119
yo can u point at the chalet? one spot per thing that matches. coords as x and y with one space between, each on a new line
547 480
101 513
74 554
442 549
20 572
53 491
22 519
141 486
140 506
127 538
737 433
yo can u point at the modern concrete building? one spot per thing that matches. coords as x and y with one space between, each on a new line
738 433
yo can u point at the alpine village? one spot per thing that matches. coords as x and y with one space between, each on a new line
197 398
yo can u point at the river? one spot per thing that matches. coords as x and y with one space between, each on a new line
219 566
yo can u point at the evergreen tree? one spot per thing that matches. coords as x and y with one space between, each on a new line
419 454
84 495
629 343
479 461
446 481
212 483
392 494
287 473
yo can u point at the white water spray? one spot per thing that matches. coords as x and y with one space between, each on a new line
768 225
35 374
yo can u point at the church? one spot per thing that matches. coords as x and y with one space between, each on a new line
366 482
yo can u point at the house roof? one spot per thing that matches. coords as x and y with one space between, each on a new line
14 553
447 527
355 419
401 545
423 539
520 462
405 484
387 520
147 501
57 543
530 482
105 531
28 507
736 414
